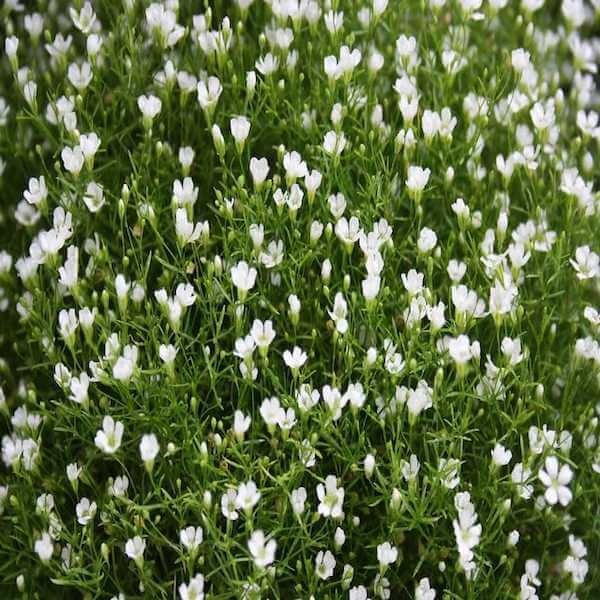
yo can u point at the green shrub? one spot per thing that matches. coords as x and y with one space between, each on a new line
299 300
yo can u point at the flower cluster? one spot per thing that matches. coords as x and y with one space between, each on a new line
300 299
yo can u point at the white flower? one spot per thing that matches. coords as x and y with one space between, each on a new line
511 348
185 193
370 287
191 538
194 590
331 498
185 294
419 399
94 197
67 324
556 478
150 107
520 59
427 240
339 538
467 532
273 255
593 316
575 563
240 128
307 397
424 591
294 198
287 420
466 302
344 66
413 282
122 287
44 547
186 82
187 232
72 159
436 316
334 400
44 504
461 350
108 439
37 191
262 551
30 93
84 19
324 565
11 45
247 496
167 353
334 143
244 348
162 23
124 367
89 145
416 312
348 231
417 180
149 449
86 511
369 465
410 469
586 263
259 169
500 455
263 334
295 167
519 476
229 505
218 139
298 500
79 389
358 592
80 76
257 234
393 362
134 549
386 554
73 472
529 580
339 313
375 61
209 92
355 395
241 424
337 204
431 124
539 439
34 24
93 44
295 359
243 277
502 298
62 375
271 411
186 157
267 64
312 182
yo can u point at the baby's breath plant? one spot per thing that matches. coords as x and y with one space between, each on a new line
300 299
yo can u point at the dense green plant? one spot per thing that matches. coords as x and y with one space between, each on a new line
299 299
